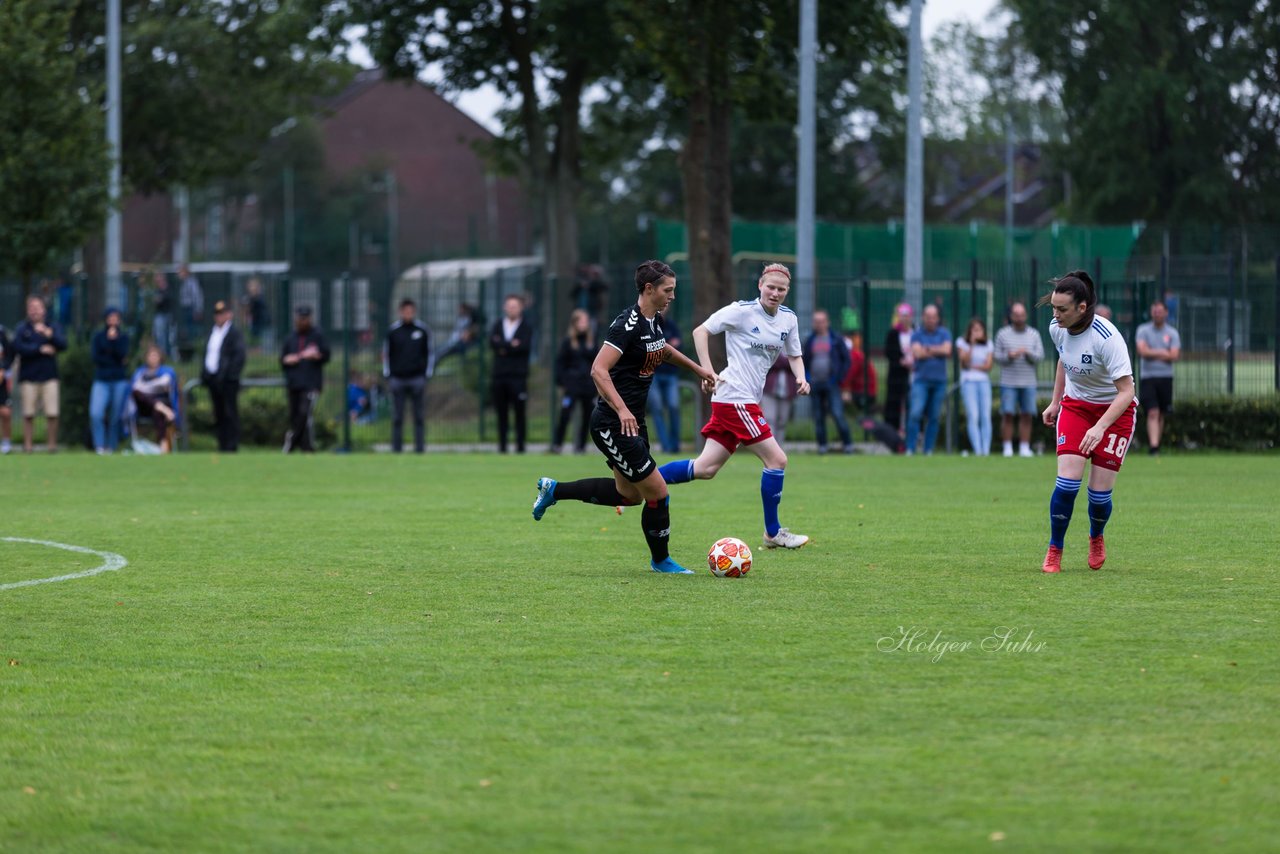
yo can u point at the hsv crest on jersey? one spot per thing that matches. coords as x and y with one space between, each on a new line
1086 359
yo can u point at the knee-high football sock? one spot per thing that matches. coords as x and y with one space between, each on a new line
1060 507
677 471
771 497
655 518
1099 511
592 490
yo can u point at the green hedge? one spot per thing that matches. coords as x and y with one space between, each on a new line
264 419
1226 424
1219 424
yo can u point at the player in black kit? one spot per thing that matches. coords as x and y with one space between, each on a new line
623 371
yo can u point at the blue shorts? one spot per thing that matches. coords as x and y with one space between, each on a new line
1015 400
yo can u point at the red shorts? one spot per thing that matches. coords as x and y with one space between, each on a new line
1076 417
734 424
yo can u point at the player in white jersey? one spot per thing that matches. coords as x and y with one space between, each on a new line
755 332
1092 408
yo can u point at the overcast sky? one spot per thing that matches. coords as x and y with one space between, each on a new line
483 103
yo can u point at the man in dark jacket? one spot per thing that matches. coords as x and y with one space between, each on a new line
511 342
826 361
406 360
223 364
37 344
304 355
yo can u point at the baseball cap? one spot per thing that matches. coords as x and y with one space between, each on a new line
303 311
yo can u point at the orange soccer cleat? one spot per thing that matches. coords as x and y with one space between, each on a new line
1097 552
1053 560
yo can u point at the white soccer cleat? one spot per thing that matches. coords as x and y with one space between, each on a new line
784 539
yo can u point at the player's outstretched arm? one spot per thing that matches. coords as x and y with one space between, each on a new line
702 344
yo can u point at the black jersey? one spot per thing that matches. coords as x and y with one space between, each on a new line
641 342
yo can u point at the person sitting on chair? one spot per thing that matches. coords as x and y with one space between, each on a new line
154 391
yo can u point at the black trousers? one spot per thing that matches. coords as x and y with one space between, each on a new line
587 403
301 436
897 390
411 390
225 395
511 394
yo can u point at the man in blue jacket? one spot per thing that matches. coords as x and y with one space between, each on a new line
38 344
826 361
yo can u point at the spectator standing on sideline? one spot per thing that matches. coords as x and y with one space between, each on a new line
465 332
826 361
257 316
573 376
162 312
779 396
223 363
511 342
859 385
897 350
1102 310
191 304
1159 346
664 392
303 357
6 408
38 344
110 350
1018 351
930 348
406 363
976 355
154 392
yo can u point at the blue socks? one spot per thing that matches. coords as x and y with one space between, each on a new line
771 497
1099 511
677 471
1061 504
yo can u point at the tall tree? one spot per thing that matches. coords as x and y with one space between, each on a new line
713 57
205 81
1172 108
542 55
53 153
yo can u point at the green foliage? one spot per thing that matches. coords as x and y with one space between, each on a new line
1236 424
264 419
1170 108
75 373
383 653
206 81
53 154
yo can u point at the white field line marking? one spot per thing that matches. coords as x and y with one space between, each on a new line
111 562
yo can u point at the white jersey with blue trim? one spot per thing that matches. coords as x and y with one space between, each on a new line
1092 360
753 338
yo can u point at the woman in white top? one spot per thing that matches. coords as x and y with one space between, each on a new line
976 354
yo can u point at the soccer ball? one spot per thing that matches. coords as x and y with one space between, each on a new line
729 558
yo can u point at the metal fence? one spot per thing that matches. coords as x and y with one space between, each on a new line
1228 314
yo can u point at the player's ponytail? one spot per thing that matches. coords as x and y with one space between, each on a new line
650 273
1078 285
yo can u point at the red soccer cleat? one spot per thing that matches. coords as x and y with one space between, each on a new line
1097 552
1053 560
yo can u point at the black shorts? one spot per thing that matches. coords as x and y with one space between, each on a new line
1156 393
628 455
4 391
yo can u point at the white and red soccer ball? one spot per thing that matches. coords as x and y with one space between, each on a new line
729 558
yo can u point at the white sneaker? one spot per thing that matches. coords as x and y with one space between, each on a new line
784 539
1008 449
1024 451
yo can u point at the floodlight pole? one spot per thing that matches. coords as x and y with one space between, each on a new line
913 221
113 292
805 282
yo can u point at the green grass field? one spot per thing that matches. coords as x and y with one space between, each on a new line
387 654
